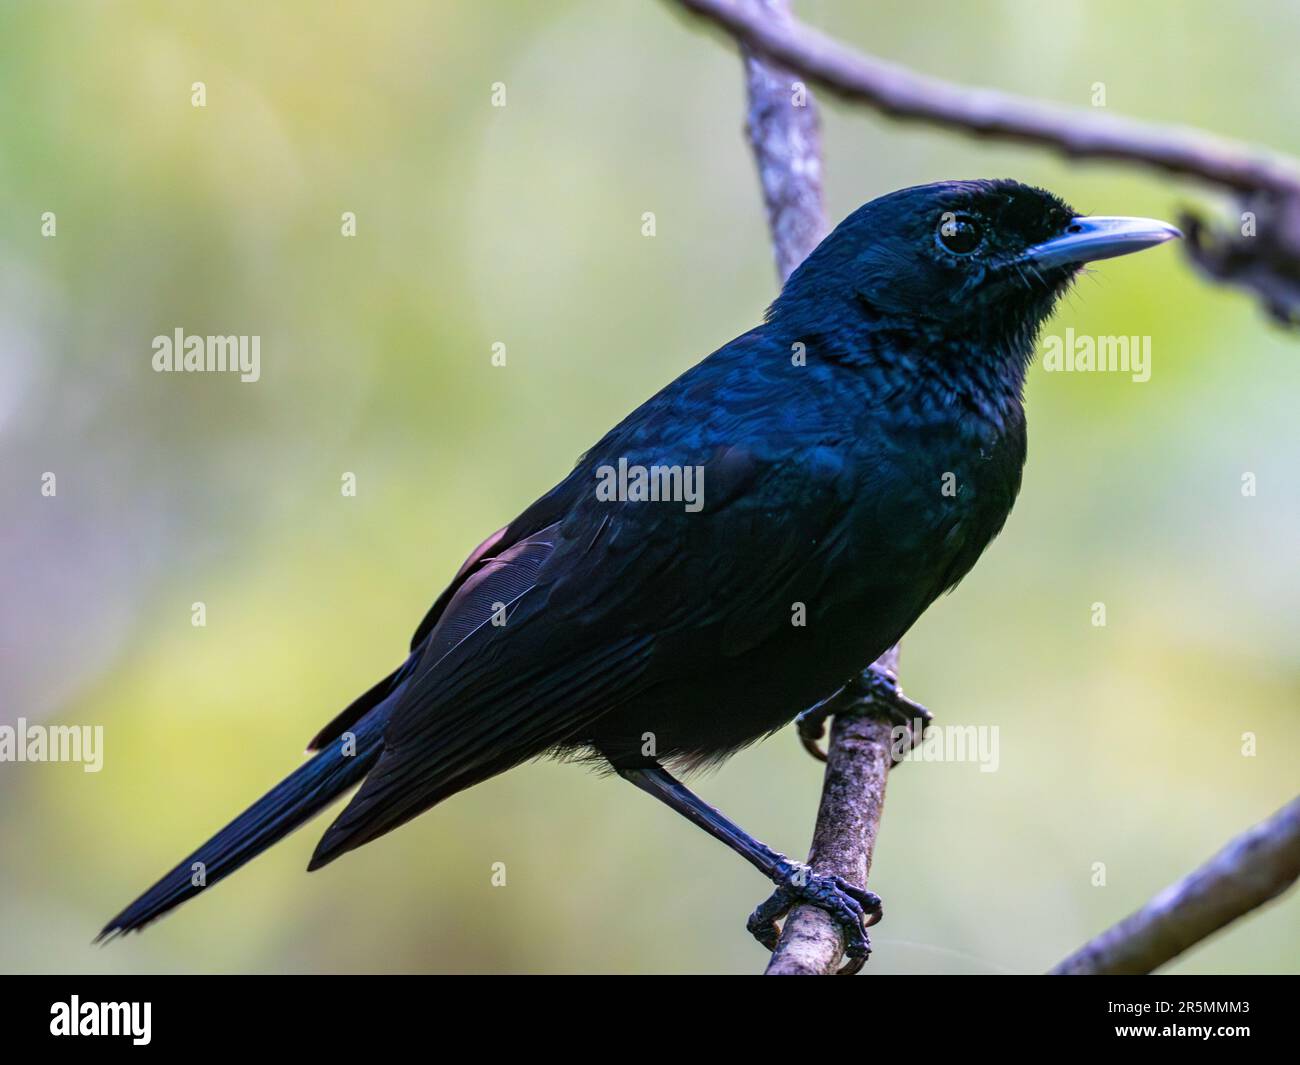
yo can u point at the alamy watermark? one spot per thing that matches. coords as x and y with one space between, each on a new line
1098 354
53 743
980 744
130 1019
179 353
630 483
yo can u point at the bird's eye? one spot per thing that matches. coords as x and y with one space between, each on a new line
959 233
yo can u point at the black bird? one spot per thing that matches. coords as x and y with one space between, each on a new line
731 552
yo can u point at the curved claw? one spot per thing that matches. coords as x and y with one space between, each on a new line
809 740
811 725
854 909
762 922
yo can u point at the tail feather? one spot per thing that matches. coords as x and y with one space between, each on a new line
287 806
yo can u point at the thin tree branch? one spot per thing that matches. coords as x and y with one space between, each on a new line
785 134
1255 867
1077 132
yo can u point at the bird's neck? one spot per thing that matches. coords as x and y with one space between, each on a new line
974 373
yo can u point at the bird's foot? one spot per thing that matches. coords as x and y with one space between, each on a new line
873 691
854 909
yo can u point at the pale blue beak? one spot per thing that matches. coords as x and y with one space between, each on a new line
1086 240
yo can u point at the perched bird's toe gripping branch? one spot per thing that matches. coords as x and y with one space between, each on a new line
874 691
854 909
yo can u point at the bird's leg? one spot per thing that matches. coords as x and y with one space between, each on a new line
874 690
853 908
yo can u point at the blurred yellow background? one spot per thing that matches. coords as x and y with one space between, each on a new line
522 225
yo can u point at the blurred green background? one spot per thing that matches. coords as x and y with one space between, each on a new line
521 225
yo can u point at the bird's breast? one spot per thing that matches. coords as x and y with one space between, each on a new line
932 494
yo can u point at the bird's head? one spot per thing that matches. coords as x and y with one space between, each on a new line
975 258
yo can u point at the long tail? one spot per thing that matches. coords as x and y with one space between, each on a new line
291 803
